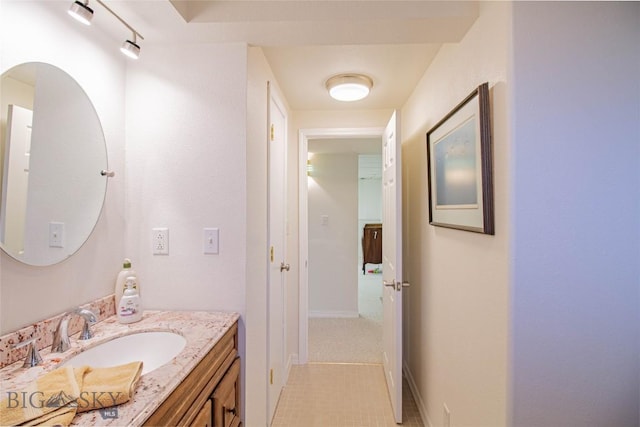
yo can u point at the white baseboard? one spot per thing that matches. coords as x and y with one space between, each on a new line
336 314
293 360
416 395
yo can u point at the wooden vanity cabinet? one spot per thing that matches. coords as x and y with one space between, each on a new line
210 395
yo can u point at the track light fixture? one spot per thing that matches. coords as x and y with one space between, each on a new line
83 13
131 48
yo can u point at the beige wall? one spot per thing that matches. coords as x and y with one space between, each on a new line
333 248
456 310
575 313
305 119
188 137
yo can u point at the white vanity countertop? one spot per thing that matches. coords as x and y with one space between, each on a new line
202 330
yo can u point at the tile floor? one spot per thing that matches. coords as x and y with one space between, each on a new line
351 340
340 395
337 389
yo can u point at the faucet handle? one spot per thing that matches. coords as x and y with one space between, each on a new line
33 357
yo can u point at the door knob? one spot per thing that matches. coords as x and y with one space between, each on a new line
390 284
284 266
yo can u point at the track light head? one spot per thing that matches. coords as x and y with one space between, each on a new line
81 12
130 49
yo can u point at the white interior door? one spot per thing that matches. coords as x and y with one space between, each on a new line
277 255
15 180
392 262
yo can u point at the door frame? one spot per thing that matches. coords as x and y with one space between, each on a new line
304 135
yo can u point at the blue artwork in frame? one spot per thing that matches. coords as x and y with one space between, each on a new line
455 164
459 163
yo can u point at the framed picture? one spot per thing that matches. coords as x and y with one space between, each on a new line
459 164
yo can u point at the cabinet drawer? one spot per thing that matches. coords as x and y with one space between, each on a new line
226 398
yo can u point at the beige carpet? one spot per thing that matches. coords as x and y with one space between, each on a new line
357 340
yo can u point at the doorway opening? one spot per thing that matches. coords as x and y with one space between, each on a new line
370 237
391 257
340 308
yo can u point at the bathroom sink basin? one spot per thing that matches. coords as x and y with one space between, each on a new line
154 349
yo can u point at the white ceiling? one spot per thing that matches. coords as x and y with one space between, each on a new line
308 41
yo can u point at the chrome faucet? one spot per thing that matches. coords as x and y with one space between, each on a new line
61 340
33 357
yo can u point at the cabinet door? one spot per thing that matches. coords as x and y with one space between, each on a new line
203 419
372 244
226 398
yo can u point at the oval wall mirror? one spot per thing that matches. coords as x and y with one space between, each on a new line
52 153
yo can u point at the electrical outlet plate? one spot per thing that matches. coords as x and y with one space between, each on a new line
160 241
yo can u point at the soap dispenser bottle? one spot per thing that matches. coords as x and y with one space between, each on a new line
130 307
126 271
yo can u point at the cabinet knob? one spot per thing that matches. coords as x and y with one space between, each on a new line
230 410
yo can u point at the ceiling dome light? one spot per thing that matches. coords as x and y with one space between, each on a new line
81 12
349 87
131 48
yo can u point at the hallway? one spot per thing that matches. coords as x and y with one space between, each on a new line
340 395
344 385
351 340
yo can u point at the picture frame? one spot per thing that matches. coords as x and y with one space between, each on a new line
460 168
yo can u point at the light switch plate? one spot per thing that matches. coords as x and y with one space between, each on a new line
211 241
56 234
